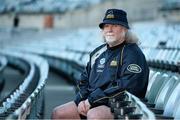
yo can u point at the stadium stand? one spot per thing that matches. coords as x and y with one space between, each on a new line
23 67
70 56
46 6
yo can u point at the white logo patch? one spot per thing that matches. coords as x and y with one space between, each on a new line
134 68
102 61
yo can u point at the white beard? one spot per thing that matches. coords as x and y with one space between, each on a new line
111 40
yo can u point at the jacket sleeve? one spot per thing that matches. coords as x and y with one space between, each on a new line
82 85
133 77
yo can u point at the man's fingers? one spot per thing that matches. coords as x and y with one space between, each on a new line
85 107
82 108
82 113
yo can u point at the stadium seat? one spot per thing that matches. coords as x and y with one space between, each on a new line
165 92
154 86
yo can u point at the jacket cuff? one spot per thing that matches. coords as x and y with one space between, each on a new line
97 98
78 99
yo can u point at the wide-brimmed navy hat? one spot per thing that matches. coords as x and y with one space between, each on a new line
115 16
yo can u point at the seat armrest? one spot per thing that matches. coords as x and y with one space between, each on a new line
163 117
156 111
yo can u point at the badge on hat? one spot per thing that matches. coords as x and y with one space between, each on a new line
134 68
113 63
110 15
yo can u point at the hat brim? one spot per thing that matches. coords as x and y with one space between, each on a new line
101 25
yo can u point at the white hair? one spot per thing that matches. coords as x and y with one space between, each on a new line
131 37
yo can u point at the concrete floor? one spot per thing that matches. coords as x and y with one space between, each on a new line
12 79
57 92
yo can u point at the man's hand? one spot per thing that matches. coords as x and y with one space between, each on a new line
87 104
82 108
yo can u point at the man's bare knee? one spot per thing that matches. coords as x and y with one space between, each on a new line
65 111
101 112
57 113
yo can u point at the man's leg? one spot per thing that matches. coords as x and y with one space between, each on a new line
100 112
66 111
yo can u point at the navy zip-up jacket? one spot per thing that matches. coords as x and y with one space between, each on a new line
118 68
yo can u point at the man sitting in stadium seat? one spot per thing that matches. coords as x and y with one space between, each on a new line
113 67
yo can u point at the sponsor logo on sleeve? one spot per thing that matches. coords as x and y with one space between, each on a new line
134 68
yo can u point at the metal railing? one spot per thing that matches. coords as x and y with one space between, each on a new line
27 100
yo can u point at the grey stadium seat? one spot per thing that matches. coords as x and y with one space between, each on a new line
171 107
165 92
158 79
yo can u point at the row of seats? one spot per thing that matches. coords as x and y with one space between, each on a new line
124 105
159 34
28 97
166 59
162 95
21 67
43 6
7 106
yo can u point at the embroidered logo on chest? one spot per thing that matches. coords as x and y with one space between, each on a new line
100 66
102 61
113 63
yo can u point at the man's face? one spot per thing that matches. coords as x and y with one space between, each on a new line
113 34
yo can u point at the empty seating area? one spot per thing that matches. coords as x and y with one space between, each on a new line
68 52
28 95
37 6
162 46
171 5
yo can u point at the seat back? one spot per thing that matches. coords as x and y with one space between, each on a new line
152 78
155 86
171 104
165 91
151 74
177 112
